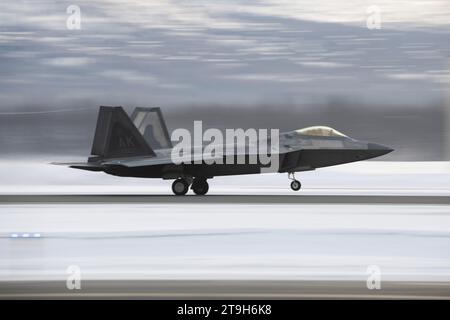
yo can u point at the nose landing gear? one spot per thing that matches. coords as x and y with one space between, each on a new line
295 184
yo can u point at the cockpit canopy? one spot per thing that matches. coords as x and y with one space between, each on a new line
320 131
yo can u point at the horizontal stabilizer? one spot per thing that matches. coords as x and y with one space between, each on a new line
80 165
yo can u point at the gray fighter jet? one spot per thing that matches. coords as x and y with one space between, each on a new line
140 146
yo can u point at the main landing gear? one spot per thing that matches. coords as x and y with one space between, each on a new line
200 186
295 184
181 186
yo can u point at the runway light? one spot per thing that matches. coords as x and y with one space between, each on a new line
25 235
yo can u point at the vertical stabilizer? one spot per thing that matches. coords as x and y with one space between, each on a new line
117 137
151 125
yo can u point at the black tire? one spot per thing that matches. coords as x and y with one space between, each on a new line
200 187
296 185
180 187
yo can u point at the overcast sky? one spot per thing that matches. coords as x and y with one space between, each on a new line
182 52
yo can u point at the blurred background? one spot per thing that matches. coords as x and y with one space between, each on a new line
375 70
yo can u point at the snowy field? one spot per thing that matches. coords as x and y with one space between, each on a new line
369 177
232 240
217 241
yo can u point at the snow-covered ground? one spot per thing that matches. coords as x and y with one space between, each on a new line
227 241
370 177
224 241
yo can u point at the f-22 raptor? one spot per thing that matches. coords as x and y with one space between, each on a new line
140 146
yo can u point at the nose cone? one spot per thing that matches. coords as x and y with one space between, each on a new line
376 150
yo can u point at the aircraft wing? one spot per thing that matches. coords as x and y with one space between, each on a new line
138 162
151 161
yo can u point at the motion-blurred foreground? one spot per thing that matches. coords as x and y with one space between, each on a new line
347 220
278 236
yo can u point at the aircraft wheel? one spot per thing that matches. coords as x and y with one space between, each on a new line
200 187
180 187
296 185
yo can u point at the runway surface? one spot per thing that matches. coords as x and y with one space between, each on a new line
221 199
250 238
230 289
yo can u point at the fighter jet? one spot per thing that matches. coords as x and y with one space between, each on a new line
140 146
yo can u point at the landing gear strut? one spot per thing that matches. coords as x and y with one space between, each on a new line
180 187
295 184
200 186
